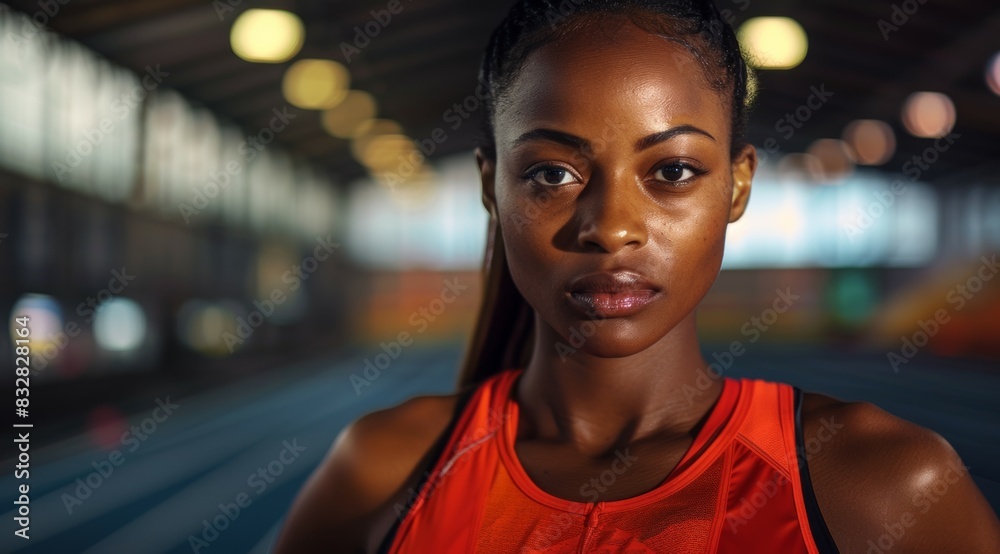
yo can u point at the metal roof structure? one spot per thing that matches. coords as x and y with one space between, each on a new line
425 59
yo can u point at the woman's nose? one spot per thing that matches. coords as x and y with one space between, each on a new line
610 216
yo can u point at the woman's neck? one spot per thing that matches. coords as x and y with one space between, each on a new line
600 404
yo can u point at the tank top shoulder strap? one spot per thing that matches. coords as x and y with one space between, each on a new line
476 409
720 414
769 427
820 532
773 429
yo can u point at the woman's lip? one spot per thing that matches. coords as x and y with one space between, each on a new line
611 282
603 305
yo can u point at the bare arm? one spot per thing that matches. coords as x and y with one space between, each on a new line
341 506
887 485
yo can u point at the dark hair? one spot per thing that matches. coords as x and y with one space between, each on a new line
695 24
504 329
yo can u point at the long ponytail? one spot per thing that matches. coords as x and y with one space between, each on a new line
504 328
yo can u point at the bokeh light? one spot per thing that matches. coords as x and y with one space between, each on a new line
872 142
853 296
929 114
203 326
371 130
45 323
388 151
120 325
834 158
773 42
105 426
348 118
269 36
993 74
799 167
315 84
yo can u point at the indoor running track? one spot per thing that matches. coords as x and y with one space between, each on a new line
205 453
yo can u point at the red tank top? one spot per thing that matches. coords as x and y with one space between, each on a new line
737 489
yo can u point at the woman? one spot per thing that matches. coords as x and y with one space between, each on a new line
589 422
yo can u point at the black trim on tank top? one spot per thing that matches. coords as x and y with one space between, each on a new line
820 532
435 453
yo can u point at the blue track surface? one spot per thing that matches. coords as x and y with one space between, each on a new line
208 451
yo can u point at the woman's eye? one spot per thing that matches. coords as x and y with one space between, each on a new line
675 173
552 176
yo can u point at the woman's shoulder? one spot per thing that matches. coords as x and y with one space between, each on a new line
880 478
382 446
371 461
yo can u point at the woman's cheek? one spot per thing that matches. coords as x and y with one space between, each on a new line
515 226
524 216
696 246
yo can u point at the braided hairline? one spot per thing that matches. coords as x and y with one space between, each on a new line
697 25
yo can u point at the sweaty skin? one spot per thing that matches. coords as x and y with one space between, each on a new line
613 153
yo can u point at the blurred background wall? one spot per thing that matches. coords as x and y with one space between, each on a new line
237 207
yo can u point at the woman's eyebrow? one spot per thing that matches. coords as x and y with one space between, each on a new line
657 138
583 144
553 136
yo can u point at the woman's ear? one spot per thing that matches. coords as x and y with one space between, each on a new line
744 167
487 174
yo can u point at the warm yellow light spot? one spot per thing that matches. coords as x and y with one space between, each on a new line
375 127
929 114
315 84
386 152
872 142
773 42
350 117
371 130
270 36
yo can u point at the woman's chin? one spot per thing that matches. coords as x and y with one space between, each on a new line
604 339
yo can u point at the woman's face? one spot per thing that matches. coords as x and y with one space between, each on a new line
613 185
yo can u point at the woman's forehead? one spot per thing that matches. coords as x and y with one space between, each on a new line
591 76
